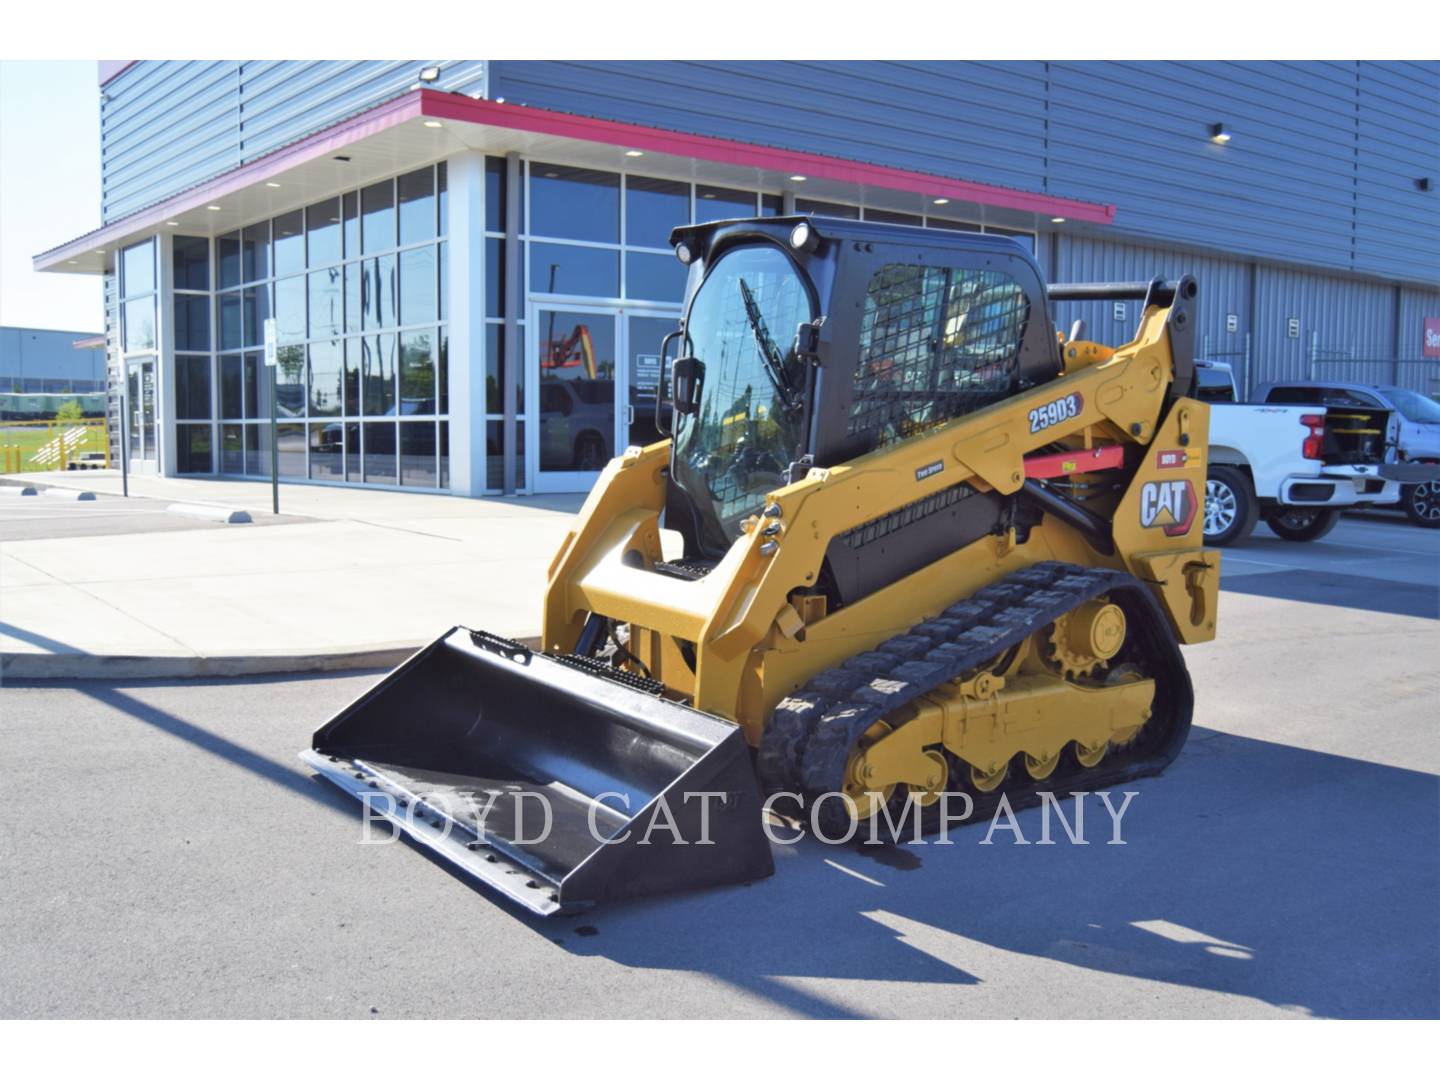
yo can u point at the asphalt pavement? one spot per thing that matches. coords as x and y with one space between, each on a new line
166 855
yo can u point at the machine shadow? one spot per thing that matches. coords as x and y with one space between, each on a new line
1297 878
1342 590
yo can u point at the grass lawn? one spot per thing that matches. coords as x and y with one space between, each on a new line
30 439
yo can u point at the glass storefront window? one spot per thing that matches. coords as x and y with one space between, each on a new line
828 209
327 446
325 303
350 211
193 449
232 404
893 217
417 206
254 367
442 195
654 277
495 185
417 373
290 381
255 252
191 262
574 271
289 311
290 447
139 324
230 321
192 323
322 233
948 223
353 353
653 208
192 388
380 452
326 377
137 269
720 204
377 300
417 454
574 204
354 286
377 368
417 286
377 217
232 448
289 243
442 374
255 305
228 258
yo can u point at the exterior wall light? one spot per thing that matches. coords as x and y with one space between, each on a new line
939 202
798 178
1057 221
429 74
1219 133
1422 184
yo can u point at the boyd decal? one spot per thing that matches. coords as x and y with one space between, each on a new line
1171 459
1168 505
1055 412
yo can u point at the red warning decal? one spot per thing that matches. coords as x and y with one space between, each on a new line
1171 459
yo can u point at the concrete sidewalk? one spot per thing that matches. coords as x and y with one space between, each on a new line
370 576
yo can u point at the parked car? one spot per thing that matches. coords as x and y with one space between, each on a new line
1295 466
1414 432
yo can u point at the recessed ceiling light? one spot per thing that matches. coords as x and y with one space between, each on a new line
941 202
1058 220
433 123
707 195
634 153
271 183
70 261
173 224
212 206
798 178
99 251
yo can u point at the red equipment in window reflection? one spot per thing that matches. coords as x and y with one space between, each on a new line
577 350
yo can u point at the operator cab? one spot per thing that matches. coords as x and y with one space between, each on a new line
811 341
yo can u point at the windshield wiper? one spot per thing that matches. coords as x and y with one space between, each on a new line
769 351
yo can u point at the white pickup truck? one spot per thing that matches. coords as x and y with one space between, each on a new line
1294 466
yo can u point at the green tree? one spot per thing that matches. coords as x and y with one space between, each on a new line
69 413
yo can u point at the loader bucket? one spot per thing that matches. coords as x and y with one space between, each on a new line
556 780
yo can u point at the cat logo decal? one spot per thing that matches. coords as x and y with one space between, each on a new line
1168 505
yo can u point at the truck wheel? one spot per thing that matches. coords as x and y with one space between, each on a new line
1300 523
1422 503
1231 508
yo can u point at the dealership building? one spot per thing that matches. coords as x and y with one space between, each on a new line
466 270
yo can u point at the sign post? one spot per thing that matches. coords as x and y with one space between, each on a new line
272 356
124 451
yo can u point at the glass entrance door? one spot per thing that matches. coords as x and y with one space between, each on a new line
597 374
140 394
574 432
643 335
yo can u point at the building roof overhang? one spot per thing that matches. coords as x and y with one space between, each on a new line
427 125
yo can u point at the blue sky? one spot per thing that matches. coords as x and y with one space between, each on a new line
49 190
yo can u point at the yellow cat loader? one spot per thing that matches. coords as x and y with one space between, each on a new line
919 544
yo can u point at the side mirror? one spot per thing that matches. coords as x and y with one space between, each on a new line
687 376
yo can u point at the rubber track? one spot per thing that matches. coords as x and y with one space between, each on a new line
812 732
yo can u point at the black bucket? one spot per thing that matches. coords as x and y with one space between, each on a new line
558 781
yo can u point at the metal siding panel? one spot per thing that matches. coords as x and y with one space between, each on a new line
167 126
1417 305
1224 289
1340 319
983 122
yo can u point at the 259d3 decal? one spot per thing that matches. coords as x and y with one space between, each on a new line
1055 412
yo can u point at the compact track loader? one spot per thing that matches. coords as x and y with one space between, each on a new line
926 546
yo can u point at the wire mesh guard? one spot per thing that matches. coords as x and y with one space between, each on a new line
935 343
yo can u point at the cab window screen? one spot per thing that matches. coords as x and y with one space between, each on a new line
935 343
